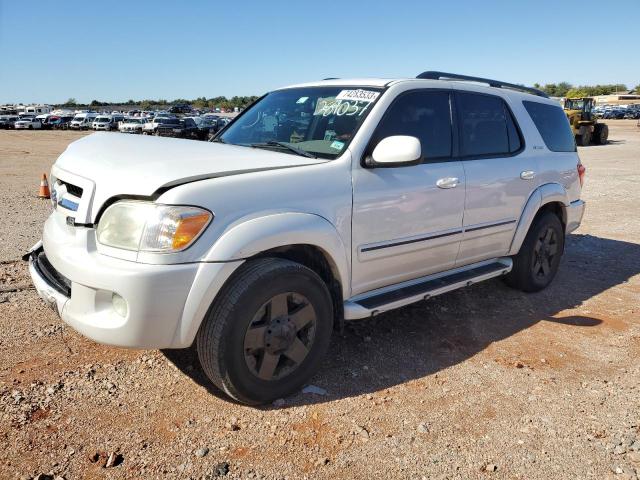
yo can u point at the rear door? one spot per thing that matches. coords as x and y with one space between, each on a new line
500 175
407 221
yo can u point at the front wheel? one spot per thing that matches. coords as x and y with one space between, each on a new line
601 134
537 262
584 139
267 331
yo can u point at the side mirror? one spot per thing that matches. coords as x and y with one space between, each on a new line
395 151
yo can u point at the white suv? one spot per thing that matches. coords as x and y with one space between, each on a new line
322 202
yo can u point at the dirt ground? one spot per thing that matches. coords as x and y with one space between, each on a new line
485 382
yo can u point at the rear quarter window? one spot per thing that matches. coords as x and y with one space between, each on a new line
553 126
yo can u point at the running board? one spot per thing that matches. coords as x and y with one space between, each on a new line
387 298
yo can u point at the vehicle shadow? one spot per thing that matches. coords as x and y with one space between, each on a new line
424 338
609 142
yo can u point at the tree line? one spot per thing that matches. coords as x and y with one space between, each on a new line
565 89
148 104
562 89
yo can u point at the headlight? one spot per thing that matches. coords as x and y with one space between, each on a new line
149 227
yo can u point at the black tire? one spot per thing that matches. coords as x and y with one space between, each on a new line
536 264
601 134
584 139
230 355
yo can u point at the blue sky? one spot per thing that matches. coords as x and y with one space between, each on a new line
116 50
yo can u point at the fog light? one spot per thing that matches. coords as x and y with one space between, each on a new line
119 305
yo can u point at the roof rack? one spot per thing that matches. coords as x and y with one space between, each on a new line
492 83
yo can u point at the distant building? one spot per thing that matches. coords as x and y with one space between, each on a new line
617 99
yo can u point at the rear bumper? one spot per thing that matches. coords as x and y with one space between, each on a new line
165 304
574 212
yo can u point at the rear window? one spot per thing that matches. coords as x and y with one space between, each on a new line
553 126
486 126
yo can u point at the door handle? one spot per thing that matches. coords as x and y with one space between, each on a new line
527 175
448 182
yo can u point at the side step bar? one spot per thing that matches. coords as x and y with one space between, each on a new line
395 296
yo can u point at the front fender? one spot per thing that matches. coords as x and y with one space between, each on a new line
257 235
544 194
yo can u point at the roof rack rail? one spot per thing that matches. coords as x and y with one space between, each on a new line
492 83
331 78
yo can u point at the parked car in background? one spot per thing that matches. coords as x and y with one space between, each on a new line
180 108
82 121
131 125
181 128
107 122
8 121
60 122
150 127
28 123
221 123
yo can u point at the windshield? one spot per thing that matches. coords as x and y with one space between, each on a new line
168 121
133 120
78 119
101 119
574 104
318 120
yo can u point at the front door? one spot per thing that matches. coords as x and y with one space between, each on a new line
407 221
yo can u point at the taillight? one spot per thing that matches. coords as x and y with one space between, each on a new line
581 172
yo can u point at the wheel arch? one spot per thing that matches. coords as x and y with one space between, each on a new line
308 239
550 197
288 233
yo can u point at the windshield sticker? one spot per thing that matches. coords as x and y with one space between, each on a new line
335 106
358 95
337 145
302 99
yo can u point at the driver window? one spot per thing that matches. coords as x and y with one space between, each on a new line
422 114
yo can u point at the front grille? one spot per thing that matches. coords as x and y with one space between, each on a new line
72 189
54 278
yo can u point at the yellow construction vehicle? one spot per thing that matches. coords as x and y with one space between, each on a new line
584 123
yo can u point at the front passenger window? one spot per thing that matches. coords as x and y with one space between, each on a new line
423 114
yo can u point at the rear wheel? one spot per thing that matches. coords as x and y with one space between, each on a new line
537 262
267 331
601 134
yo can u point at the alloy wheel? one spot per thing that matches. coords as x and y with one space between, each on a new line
545 250
280 336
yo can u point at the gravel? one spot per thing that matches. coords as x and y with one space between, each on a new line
482 382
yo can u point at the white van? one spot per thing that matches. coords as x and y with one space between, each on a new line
83 121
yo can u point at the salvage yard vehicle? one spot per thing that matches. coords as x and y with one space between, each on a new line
27 123
584 122
8 121
131 125
82 121
182 128
320 203
107 122
150 127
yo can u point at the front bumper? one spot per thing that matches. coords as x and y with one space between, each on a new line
575 212
165 303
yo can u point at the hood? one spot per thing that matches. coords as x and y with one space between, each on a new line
115 164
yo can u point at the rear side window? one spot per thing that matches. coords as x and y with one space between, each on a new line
421 114
487 127
553 126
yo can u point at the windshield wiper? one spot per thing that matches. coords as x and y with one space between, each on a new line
217 140
291 148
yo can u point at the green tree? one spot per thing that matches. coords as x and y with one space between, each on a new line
71 102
